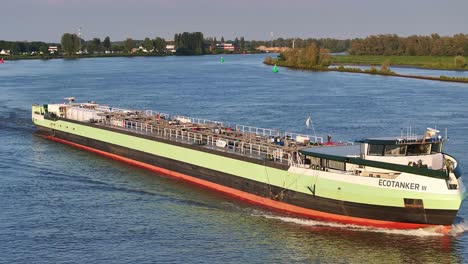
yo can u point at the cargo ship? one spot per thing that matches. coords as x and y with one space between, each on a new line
402 182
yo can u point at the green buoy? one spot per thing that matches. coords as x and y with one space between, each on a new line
222 59
275 69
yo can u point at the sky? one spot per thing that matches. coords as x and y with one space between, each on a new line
47 20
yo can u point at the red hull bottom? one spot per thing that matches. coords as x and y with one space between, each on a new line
255 199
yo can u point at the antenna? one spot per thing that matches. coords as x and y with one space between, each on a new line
79 37
271 35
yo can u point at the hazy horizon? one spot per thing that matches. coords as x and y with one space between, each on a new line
47 20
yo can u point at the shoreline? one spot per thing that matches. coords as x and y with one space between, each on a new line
430 78
113 55
398 66
417 62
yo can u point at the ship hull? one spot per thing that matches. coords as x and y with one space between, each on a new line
261 193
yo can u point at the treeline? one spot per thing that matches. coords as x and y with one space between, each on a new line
72 44
331 44
433 45
17 47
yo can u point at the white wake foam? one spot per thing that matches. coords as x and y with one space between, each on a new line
460 227
420 232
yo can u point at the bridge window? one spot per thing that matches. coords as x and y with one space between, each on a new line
376 150
337 165
419 149
436 148
395 150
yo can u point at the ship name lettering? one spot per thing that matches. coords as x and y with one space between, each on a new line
401 185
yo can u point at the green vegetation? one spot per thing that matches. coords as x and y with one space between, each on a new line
189 43
71 44
213 46
18 47
332 45
107 43
94 45
430 62
129 44
448 78
460 62
433 45
159 45
384 70
147 44
310 57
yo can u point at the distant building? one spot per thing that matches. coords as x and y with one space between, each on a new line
171 48
5 52
52 49
226 47
143 49
134 50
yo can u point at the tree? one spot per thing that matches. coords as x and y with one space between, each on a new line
159 45
189 43
385 66
70 43
147 44
106 44
129 44
16 48
213 46
94 45
460 62
222 39
44 48
242 43
236 43
117 48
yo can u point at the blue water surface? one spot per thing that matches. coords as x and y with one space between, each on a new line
64 205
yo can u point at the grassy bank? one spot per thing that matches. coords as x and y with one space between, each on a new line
372 71
428 62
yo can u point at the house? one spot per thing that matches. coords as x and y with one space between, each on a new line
5 52
226 47
52 49
171 48
141 48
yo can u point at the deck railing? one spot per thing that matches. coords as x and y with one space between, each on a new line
210 140
258 130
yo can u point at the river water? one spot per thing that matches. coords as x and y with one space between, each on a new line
60 204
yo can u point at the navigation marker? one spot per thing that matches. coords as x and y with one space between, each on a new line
275 69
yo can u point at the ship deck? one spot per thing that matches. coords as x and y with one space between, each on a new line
192 139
